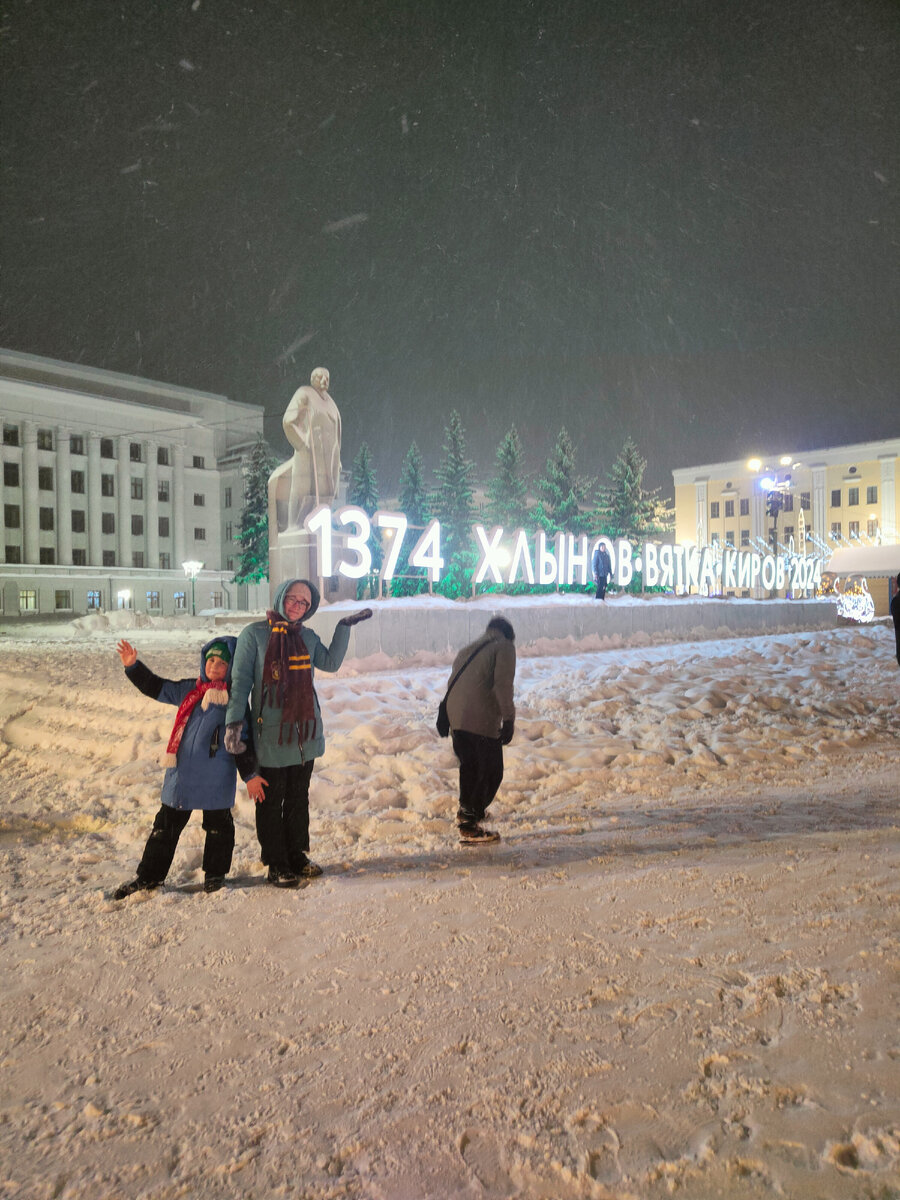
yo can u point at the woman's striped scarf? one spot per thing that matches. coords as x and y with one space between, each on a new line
287 678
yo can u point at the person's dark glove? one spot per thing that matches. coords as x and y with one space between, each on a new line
233 741
506 732
355 618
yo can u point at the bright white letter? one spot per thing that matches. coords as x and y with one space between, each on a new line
395 524
651 565
707 570
755 567
488 562
521 553
692 567
667 566
547 568
624 565
356 542
678 554
319 523
426 553
579 560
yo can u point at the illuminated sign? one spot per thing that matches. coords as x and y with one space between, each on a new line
506 559
426 553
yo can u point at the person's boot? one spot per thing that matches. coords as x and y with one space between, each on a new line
474 835
212 883
283 878
133 885
308 869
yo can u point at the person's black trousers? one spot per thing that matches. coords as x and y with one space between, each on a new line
601 590
163 840
282 819
480 773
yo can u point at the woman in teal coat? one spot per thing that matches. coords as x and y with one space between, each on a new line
274 667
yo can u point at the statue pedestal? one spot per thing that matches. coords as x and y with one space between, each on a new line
293 554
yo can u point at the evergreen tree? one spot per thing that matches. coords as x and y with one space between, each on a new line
363 492
254 534
413 502
623 507
507 491
453 507
413 499
452 501
562 490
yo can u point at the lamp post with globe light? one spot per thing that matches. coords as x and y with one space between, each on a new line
192 569
775 483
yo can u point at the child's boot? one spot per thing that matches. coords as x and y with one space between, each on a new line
133 885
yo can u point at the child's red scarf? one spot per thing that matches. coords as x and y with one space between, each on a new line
287 677
205 692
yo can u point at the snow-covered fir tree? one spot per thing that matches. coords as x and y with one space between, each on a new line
452 504
623 507
254 533
363 492
363 489
507 491
413 503
413 499
452 500
561 490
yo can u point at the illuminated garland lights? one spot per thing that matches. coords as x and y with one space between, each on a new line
856 603
562 560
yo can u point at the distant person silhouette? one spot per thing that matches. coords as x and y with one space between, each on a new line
601 565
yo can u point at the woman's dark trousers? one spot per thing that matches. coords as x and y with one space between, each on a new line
282 819
163 840
480 773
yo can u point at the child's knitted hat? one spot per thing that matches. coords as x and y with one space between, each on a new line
218 650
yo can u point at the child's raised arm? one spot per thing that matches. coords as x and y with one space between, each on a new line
127 653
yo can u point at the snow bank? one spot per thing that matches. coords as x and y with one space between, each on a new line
673 975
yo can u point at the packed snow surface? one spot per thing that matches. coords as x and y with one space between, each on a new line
676 974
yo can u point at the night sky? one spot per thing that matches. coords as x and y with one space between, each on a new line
670 219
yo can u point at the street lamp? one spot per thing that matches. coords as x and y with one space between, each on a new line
776 483
192 569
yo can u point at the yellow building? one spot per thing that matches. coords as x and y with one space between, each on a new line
813 502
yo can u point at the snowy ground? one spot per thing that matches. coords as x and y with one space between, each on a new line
678 973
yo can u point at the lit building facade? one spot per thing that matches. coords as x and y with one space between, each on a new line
814 503
109 483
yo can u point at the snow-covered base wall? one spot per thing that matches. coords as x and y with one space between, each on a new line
404 630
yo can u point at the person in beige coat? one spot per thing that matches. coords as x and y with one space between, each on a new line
482 719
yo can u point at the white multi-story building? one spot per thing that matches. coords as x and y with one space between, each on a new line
110 483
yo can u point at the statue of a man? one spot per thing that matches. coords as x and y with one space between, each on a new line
312 424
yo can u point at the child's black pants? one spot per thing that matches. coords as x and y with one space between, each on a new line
163 840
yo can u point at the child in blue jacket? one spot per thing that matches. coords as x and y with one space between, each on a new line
200 773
